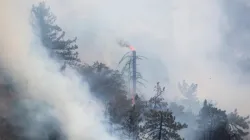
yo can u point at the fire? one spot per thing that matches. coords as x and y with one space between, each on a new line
125 44
131 48
133 100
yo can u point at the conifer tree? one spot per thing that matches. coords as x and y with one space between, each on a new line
52 36
212 123
130 124
238 125
159 122
161 125
190 100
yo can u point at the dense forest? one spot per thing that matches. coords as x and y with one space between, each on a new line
156 118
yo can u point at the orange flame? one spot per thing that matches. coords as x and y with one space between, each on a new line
133 100
131 48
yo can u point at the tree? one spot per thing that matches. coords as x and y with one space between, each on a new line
131 123
212 123
159 121
187 117
52 36
189 92
127 68
132 119
238 125
161 125
109 86
105 83
156 102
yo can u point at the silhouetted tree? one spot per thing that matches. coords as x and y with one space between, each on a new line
212 123
127 68
238 125
159 121
109 86
189 92
52 36
156 102
131 123
161 125
132 119
187 117
105 83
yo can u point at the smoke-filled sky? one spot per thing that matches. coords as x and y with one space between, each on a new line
200 41
37 77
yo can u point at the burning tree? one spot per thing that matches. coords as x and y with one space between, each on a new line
130 68
133 116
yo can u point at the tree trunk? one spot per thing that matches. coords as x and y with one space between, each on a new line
159 137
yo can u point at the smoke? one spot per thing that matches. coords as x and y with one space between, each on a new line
183 40
37 76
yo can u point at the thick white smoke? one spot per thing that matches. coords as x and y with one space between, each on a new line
182 38
39 79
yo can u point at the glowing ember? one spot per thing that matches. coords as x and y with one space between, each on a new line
131 48
124 44
133 100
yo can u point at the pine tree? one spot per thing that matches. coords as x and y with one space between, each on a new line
238 125
156 102
187 117
131 123
212 123
190 100
159 123
52 36
105 83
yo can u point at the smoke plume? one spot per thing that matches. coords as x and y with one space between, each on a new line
37 76
185 40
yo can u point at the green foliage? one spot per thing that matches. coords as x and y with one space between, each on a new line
52 36
161 125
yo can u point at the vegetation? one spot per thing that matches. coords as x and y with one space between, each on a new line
153 119
52 36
